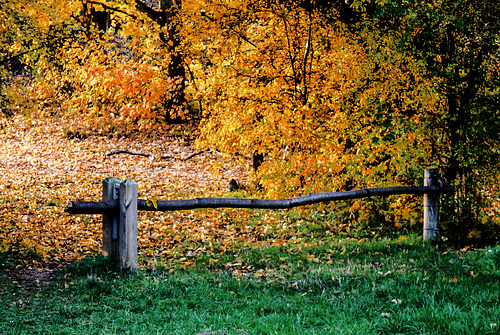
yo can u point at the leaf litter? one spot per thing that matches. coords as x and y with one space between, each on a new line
41 169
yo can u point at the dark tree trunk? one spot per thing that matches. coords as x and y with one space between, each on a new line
167 16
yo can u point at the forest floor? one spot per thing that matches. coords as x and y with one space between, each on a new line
42 167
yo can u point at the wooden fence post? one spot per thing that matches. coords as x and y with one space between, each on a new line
110 221
431 206
128 225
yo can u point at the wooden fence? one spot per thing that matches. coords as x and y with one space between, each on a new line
119 208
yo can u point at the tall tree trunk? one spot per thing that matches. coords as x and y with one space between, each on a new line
170 10
168 16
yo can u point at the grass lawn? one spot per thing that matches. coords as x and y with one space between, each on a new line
377 287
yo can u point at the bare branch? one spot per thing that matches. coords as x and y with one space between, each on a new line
157 16
148 155
113 9
130 152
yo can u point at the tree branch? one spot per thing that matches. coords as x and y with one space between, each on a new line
239 34
130 152
157 16
145 154
113 9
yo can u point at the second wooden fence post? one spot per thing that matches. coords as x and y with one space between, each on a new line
431 206
127 232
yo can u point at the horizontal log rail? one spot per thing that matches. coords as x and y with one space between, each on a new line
108 207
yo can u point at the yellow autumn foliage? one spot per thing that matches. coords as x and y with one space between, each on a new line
327 110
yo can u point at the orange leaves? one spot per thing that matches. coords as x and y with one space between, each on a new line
273 98
116 91
99 79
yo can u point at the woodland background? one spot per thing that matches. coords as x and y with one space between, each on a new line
318 95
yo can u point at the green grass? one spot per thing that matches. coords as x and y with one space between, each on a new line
379 287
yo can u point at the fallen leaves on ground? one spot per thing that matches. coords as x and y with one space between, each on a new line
41 170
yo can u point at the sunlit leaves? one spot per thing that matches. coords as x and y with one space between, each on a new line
97 78
330 109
